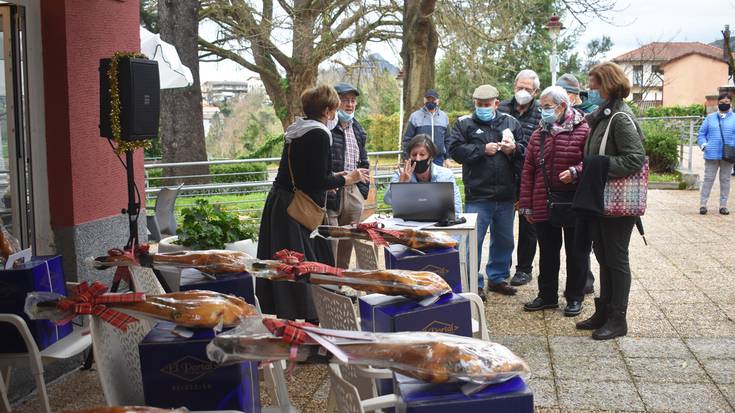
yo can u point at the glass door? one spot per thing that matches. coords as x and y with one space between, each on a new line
16 203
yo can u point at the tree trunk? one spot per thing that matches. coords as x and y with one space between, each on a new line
420 42
182 125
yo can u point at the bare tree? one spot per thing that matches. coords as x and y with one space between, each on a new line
255 35
182 125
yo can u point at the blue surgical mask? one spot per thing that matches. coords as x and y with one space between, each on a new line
548 115
344 116
485 114
593 97
431 105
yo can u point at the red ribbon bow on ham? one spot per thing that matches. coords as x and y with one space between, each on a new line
123 273
374 231
91 299
294 265
291 332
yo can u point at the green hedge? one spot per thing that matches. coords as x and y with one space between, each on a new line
217 170
661 111
662 146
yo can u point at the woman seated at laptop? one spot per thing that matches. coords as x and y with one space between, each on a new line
419 168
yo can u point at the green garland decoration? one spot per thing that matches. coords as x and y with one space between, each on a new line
112 75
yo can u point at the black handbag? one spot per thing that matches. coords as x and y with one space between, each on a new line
728 151
559 203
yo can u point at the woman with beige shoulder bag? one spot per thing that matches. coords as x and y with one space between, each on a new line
295 204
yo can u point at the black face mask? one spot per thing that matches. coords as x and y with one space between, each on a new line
723 107
420 166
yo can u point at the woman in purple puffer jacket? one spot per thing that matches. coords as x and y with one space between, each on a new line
563 131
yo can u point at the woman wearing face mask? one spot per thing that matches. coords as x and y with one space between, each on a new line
718 130
420 168
305 161
553 163
624 155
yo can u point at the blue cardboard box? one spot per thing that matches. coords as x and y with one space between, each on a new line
420 397
383 313
176 372
443 261
39 274
240 285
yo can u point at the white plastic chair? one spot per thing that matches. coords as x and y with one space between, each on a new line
366 254
348 398
337 312
116 353
67 347
480 323
164 220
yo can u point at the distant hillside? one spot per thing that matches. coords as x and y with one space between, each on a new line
719 43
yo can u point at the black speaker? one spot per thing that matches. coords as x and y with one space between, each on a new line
140 98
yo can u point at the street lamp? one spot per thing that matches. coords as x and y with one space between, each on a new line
554 27
399 81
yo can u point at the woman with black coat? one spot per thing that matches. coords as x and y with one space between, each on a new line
307 143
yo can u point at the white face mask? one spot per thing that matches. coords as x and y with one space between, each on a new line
332 123
523 97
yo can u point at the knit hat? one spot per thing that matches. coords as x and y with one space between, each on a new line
569 83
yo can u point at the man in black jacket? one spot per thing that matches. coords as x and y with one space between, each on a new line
524 107
348 153
490 147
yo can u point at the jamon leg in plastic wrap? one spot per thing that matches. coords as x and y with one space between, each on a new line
128 409
290 265
432 357
209 261
196 308
412 238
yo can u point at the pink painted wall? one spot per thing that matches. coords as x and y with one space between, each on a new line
86 181
690 79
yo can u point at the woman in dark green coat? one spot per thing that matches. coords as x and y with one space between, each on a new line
608 86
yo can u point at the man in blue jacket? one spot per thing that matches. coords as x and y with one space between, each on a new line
490 147
429 120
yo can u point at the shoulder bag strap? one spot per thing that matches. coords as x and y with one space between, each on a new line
722 135
290 169
603 144
542 163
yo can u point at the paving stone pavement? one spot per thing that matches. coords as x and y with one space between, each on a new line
679 355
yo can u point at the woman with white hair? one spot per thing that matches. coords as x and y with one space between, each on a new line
548 182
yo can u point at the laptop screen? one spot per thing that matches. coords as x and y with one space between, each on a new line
423 201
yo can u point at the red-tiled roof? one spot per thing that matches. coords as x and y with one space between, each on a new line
665 51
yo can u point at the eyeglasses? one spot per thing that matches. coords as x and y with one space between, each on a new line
348 101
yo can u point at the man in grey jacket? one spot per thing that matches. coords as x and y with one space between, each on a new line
429 120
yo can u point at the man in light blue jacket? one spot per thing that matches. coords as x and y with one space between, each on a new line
429 120
717 131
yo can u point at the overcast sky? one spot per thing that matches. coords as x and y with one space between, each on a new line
638 22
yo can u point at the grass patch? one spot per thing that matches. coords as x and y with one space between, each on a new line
664 177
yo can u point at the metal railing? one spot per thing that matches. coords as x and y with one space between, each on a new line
248 194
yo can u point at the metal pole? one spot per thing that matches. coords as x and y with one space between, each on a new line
400 119
691 135
553 62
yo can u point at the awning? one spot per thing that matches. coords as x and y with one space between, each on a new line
172 72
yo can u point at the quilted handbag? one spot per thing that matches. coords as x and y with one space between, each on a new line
625 196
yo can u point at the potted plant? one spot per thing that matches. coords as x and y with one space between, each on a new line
205 227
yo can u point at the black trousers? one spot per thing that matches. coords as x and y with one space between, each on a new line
610 241
526 246
550 241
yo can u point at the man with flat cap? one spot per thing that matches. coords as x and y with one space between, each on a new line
429 120
490 146
348 153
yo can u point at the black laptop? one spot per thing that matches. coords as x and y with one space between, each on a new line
423 201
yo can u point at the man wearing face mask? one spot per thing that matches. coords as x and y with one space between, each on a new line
490 147
348 153
524 107
429 120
